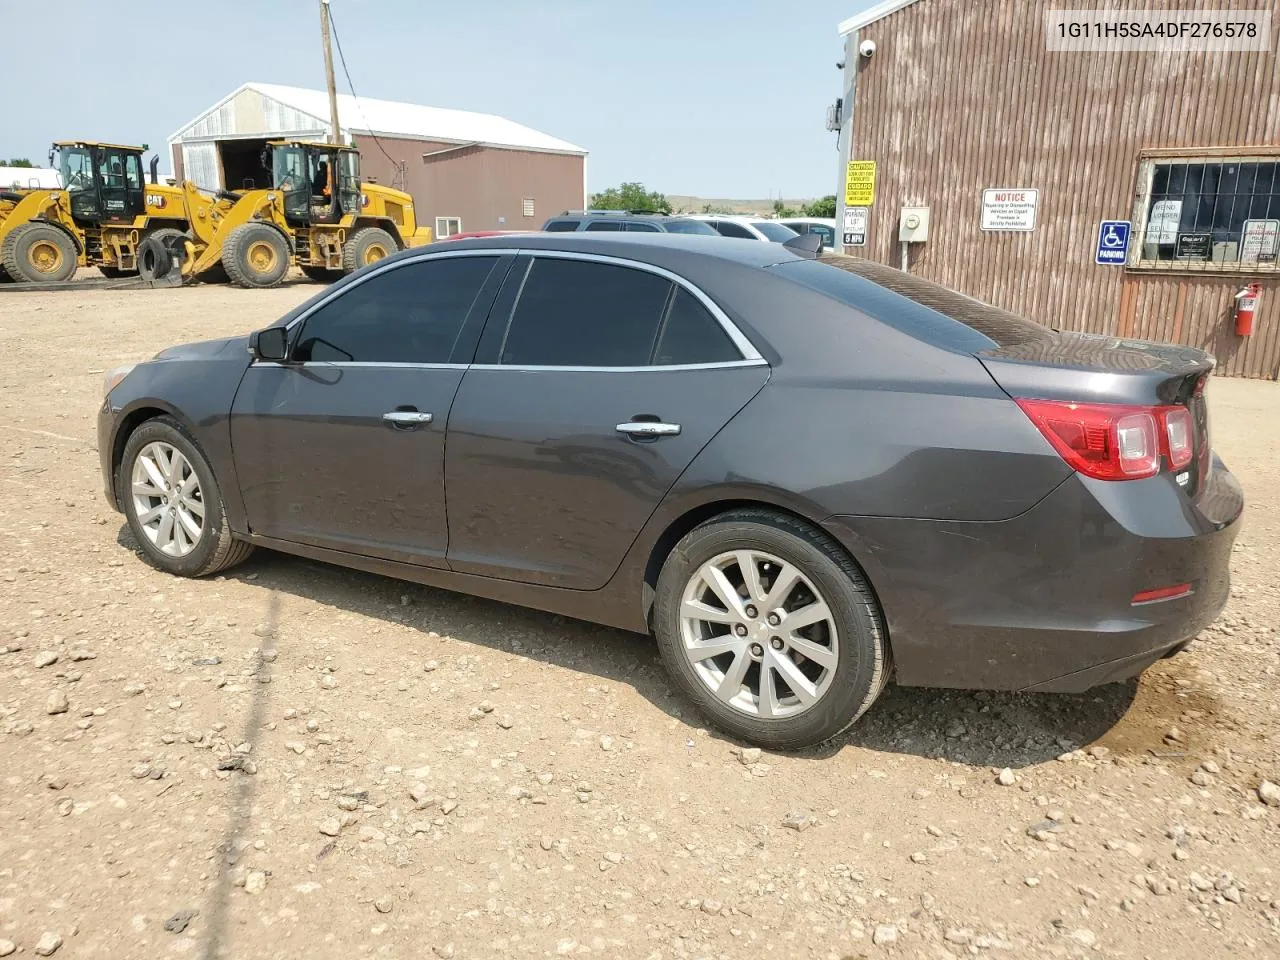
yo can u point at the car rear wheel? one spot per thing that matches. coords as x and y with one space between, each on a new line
172 502
771 629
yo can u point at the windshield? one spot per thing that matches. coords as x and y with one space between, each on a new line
690 226
76 167
774 231
289 169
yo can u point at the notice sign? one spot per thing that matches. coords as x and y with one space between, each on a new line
855 226
1193 246
860 183
1009 209
1260 241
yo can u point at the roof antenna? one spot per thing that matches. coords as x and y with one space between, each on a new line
807 245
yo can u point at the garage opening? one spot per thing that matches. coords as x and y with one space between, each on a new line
245 164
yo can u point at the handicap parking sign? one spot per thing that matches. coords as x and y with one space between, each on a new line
1113 242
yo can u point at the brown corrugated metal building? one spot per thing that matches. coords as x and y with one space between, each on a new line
1020 153
466 171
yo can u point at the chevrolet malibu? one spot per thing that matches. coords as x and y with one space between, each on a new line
802 474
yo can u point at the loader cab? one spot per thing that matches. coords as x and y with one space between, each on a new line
104 181
320 181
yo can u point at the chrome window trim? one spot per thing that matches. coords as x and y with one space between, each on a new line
750 355
656 368
370 364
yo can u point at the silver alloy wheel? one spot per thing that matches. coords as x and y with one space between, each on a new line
759 634
167 499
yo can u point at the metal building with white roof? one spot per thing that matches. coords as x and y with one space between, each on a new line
466 171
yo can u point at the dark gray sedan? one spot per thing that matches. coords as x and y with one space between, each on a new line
801 474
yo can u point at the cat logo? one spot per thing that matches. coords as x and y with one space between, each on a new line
155 199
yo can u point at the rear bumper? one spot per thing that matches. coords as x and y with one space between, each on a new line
1042 601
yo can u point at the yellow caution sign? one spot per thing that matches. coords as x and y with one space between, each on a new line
860 183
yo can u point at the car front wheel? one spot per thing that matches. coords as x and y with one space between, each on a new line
771 629
172 502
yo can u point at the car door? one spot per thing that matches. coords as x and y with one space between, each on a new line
596 383
343 445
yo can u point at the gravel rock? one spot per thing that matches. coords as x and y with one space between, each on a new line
180 920
1201 779
1269 793
431 665
797 821
606 743
546 843
712 907
448 807
749 755
48 944
475 714
296 746
57 703
1084 937
7 947
1006 778
960 936
255 882
46 658
884 933
1158 885
383 905
505 722
328 681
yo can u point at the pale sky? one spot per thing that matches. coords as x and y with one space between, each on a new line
716 98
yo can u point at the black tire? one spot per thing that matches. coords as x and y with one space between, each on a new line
115 273
366 246
864 662
160 256
322 274
217 549
39 253
256 255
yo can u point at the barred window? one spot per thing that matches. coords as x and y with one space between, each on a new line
1208 214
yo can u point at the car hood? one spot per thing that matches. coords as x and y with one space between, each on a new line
206 349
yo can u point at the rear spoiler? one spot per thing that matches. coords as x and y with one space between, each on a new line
807 245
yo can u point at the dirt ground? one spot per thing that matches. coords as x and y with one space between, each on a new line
296 760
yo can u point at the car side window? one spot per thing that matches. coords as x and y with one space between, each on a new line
636 226
728 228
408 314
691 334
561 226
580 313
604 225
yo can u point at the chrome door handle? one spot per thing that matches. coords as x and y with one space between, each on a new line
407 418
643 429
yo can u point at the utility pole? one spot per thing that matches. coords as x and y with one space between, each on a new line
336 135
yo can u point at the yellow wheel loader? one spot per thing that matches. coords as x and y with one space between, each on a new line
315 213
99 217
312 211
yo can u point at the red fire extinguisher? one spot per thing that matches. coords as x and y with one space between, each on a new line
1246 308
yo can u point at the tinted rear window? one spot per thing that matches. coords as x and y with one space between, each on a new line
836 276
690 226
561 226
775 231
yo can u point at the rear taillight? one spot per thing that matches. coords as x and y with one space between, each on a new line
1114 441
1177 435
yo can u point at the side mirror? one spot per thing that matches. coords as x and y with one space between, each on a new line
269 344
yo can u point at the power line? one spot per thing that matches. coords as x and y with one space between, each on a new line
395 164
